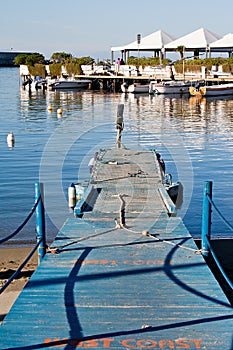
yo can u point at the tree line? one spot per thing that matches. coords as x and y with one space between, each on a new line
36 62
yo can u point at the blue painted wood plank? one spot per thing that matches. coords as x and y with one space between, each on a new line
111 287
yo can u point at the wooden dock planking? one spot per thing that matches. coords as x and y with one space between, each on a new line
111 287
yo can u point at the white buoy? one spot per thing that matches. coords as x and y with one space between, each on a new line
10 139
50 108
71 196
59 111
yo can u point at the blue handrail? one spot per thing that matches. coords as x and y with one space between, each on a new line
40 229
207 249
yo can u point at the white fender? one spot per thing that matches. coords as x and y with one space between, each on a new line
71 196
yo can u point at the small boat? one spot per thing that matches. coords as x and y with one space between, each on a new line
135 88
212 90
174 190
169 87
69 84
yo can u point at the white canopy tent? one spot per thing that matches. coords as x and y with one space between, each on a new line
225 44
197 41
154 42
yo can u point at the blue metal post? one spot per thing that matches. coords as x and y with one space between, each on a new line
40 220
206 217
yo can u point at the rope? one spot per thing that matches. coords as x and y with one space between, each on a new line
196 251
56 250
119 133
139 173
120 225
219 213
219 265
146 233
22 225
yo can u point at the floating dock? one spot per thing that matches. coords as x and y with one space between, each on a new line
125 273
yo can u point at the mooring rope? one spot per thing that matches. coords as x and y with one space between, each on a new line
58 249
219 213
15 274
122 225
13 234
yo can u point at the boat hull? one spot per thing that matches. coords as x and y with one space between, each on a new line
72 84
135 88
213 90
169 88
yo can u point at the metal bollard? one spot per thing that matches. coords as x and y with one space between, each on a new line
40 220
206 218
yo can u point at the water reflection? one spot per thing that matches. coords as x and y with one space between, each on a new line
193 135
206 127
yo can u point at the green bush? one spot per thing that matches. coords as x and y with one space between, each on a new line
37 70
227 67
72 64
55 69
146 61
195 65
73 68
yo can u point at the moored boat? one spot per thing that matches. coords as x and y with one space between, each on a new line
169 87
135 88
212 90
69 84
174 190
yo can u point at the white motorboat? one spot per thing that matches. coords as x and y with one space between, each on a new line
169 87
69 84
212 90
135 88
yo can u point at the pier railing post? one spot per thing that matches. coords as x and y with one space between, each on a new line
40 220
119 123
206 218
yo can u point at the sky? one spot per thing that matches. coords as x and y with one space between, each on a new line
91 28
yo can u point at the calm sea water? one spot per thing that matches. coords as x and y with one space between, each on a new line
195 138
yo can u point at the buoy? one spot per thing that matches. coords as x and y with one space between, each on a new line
59 111
10 139
50 108
72 196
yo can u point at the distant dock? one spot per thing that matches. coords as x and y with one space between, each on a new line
7 58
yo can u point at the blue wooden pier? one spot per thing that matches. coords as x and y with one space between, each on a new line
124 274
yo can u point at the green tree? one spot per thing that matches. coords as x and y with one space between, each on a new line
86 60
59 57
35 58
29 59
20 59
181 50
